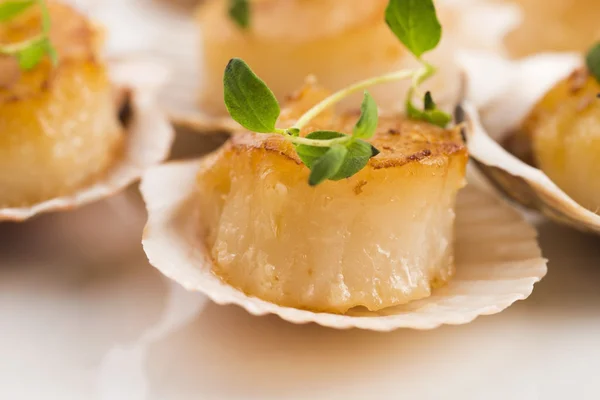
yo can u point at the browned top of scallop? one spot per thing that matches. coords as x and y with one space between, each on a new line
575 94
399 139
74 37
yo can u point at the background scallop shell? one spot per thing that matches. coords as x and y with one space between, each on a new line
503 102
497 255
168 32
148 140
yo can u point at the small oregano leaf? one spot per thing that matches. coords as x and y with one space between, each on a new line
294 132
359 153
434 116
31 56
367 124
310 154
239 11
328 165
438 117
248 99
11 9
415 23
593 61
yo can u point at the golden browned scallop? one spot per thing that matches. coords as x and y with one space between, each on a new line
563 131
59 126
555 25
338 41
380 238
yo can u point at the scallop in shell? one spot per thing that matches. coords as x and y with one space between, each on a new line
379 238
503 116
71 132
497 258
243 226
353 45
147 141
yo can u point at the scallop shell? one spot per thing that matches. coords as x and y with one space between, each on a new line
148 141
523 84
160 25
498 259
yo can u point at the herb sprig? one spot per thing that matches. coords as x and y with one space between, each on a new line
334 155
593 61
30 52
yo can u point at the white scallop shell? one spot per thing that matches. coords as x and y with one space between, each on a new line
515 88
497 258
169 33
148 141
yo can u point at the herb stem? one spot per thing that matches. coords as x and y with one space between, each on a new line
311 142
46 23
46 28
11 49
336 97
317 142
419 77
30 52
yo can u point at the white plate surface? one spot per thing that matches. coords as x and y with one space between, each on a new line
84 316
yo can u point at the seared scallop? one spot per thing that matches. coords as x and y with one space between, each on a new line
380 238
338 41
59 126
563 133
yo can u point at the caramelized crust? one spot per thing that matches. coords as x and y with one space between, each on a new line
400 141
576 93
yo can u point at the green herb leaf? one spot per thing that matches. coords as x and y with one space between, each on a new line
328 165
430 114
310 154
438 117
294 132
415 23
11 9
593 60
29 52
46 26
31 56
358 155
367 124
248 99
239 11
